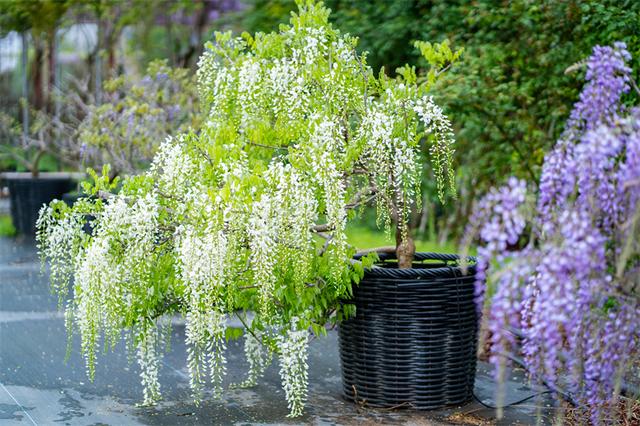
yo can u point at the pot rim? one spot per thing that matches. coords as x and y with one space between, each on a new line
13 176
450 269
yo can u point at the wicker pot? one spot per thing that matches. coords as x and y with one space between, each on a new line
412 342
28 194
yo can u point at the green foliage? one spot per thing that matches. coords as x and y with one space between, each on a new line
265 15
99 183
38 16
513 97
438 56
6 226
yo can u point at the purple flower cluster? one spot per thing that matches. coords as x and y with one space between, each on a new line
504 315
628 178
557 181
610 348
499 220
596 156
564 286
568 294
607 79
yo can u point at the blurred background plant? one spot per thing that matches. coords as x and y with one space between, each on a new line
126 131
30 150
508 99
56 51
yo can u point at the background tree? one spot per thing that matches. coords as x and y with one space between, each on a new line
510 97
41 19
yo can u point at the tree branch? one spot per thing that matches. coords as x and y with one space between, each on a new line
323 227
105 195
385 249
248 287
205 155
283 148
16 157
325 246
249 330
361 197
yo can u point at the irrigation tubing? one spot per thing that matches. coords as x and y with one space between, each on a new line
511 404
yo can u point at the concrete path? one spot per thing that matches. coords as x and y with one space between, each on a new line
38 388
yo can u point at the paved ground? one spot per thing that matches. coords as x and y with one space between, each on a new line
37 387
4 204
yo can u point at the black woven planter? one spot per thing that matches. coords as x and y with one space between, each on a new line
28 194
412 342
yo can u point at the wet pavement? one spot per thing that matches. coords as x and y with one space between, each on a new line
4 204
38 388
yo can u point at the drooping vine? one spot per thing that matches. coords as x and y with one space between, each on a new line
249 213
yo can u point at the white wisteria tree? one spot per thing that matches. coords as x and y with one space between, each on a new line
249 214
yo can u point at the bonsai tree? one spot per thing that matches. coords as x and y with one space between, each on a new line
26 149
249 213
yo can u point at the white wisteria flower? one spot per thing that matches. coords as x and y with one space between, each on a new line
248 214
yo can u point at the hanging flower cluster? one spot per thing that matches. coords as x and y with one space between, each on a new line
572 293
607 79
249 213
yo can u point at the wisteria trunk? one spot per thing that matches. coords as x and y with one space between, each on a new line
405 248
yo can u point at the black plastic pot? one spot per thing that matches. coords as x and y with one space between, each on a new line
413 340
28 194
70 199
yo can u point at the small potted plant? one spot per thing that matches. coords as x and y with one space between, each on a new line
31 189
248 216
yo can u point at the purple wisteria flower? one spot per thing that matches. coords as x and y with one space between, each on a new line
628 175
571 292
607 79
595 158
499 222
557 181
